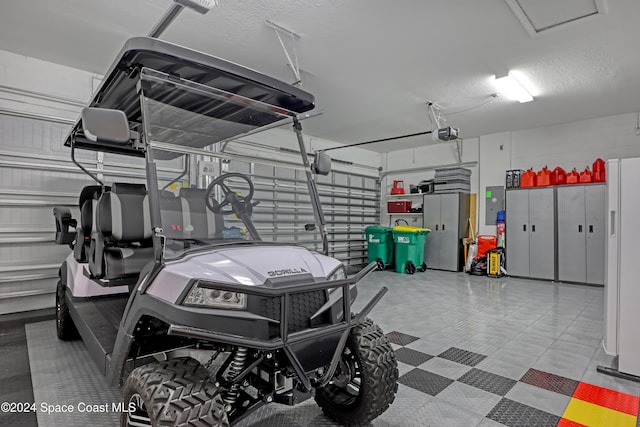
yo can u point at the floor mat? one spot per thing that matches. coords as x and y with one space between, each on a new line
67 387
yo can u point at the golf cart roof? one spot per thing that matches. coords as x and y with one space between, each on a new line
218 99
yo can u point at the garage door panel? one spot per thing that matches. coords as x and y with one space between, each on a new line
40 176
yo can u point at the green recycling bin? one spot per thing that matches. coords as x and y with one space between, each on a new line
409 248
379 245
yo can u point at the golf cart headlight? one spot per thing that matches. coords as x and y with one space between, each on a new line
338 274
215 298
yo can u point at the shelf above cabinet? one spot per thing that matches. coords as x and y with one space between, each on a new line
406 213
403 196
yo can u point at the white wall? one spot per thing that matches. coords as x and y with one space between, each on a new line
576 144
569 145
432 155
26 84
495 159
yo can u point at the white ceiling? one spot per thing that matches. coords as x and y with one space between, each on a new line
372 64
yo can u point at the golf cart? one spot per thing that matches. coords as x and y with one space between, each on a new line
169 284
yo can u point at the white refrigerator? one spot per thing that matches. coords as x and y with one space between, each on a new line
622 275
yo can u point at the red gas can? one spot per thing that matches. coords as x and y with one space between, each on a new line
398 187
573 177
544 177
585 176
599 171
558 176
486 242
528 179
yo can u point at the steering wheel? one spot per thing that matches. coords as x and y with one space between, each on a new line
238 203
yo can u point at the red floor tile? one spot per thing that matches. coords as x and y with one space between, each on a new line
611 399
568 423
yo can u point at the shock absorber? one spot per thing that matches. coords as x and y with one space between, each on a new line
235 367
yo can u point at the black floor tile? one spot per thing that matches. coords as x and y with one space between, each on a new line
15 373
550 382
28 419
15 383
465 357
411 357
401 339
10 321
515 414
426 382
487 381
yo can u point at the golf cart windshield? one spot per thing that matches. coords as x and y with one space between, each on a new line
201 202
179 106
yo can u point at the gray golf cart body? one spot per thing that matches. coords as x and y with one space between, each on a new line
128 291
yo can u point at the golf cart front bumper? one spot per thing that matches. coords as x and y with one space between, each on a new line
306 349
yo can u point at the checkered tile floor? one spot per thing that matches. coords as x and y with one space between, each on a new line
453 373
472 351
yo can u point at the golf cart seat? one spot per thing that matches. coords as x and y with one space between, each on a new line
173 211
201 221
87 203
121 241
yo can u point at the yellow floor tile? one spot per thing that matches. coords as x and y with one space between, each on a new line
592 415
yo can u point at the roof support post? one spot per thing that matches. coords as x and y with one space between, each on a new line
313 189
152 183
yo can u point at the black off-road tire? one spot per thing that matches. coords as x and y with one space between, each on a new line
175 392
379 378
65 328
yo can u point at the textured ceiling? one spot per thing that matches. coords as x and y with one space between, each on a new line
372 64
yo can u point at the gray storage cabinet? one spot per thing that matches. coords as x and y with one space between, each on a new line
581 233
447 217
530 234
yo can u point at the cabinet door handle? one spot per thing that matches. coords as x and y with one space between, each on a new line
612 223
580 228
591 229
533 228
436 227
524 227
442 227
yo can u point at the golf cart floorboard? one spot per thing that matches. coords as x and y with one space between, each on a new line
97 321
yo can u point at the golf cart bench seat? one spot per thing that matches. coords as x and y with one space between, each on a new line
87 203
205 223
186 216
121 239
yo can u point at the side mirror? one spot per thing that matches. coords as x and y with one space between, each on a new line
322 163
105 125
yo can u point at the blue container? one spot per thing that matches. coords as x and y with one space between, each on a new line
501 228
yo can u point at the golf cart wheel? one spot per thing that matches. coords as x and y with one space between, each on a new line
365 381
380 264
410 268
175 392
65 328
423 267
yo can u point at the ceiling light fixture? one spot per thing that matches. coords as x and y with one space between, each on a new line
510 87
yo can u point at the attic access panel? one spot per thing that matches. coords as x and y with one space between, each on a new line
538 16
